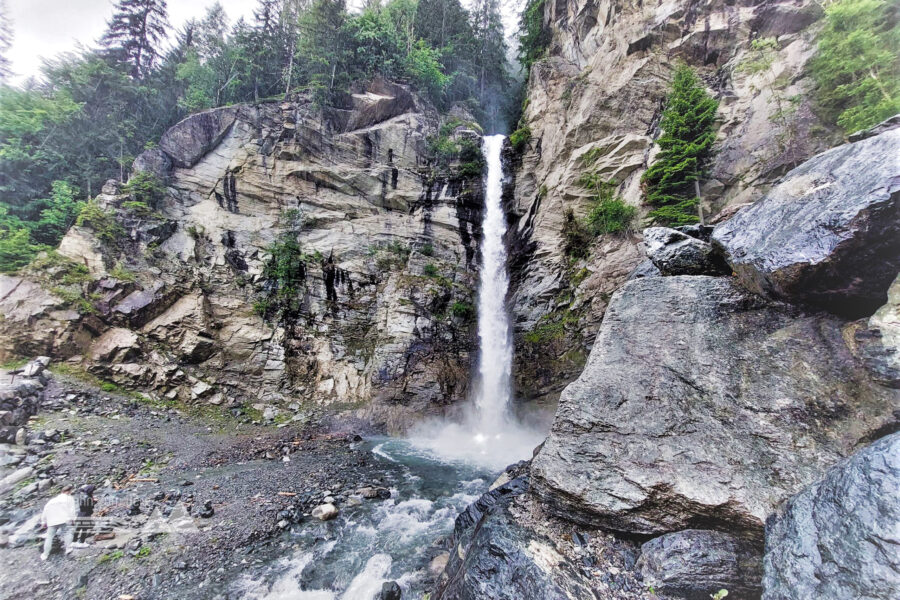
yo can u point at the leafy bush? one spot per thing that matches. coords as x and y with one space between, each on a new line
16 250
103 222
430 270
462 310
145 188
686 143
607 214
520 138
576 238
855 66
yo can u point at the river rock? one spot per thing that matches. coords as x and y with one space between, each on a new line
325 512
697 563
390 590
829 234
704 403
838 538
677 253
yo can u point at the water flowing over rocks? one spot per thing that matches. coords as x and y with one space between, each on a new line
704 406
828 235
838 538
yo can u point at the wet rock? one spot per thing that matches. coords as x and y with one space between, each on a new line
829 234
703 403
134 508
645 269
838 537
697 563
494 557
207 510
375 492
390 590
438 563
676 253
325 512
878 340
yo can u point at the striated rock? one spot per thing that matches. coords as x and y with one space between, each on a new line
704 406
676 253
189 140
493 557
115 346
153 161
829 234
838 538
878 340
697 563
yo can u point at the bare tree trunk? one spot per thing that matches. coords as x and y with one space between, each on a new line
699 201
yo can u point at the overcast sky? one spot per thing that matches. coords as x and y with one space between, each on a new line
44 28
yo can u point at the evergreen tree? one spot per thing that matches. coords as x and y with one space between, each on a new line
671 183
135 32
856 64
6 36
490 62
322 52
534 35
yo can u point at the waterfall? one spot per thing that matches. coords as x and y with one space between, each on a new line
488 435
495 356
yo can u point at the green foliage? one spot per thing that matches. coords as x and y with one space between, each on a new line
520 138
110 557
686 144
143 552
16 250
103 222
576 238
462 310
720 595
855 66
427 250
145 188
430 270
284 273
607 214
122 274
534 35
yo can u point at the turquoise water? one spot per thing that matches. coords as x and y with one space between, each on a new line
350 557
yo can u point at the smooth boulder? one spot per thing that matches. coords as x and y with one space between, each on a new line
704 405
697 563
675 252
193 137
325 512
839 537
828 235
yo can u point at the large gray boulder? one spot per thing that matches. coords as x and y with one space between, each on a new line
839 538
495 557
676 253
829 234
697 563
191 138
703 405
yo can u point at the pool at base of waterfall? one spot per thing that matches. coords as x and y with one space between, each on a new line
371 541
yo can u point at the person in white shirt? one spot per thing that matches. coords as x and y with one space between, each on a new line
59 516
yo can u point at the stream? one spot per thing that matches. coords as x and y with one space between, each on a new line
350 557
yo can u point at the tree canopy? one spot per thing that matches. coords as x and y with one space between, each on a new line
95 109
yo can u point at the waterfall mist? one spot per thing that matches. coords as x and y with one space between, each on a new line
488 433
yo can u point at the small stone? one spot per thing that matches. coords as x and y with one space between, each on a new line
20 437
390 590
438 563
325 512
207 510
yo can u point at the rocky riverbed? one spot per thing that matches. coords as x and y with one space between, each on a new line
192 498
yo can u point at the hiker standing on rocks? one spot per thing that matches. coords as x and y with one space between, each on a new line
59 514
83 525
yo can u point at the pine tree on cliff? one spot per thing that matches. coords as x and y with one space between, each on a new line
135 32
671 184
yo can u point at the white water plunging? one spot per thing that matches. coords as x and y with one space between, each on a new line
495 361
489 435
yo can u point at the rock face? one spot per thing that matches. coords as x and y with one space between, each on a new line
838 538
696 564
676 253
388 245
704 406
829 234
493 557
21 394
594 104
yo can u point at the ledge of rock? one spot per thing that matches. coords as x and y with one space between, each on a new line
703 406
189 140
838 538
674 252
829 234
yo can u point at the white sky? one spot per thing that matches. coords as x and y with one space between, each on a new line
45 28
